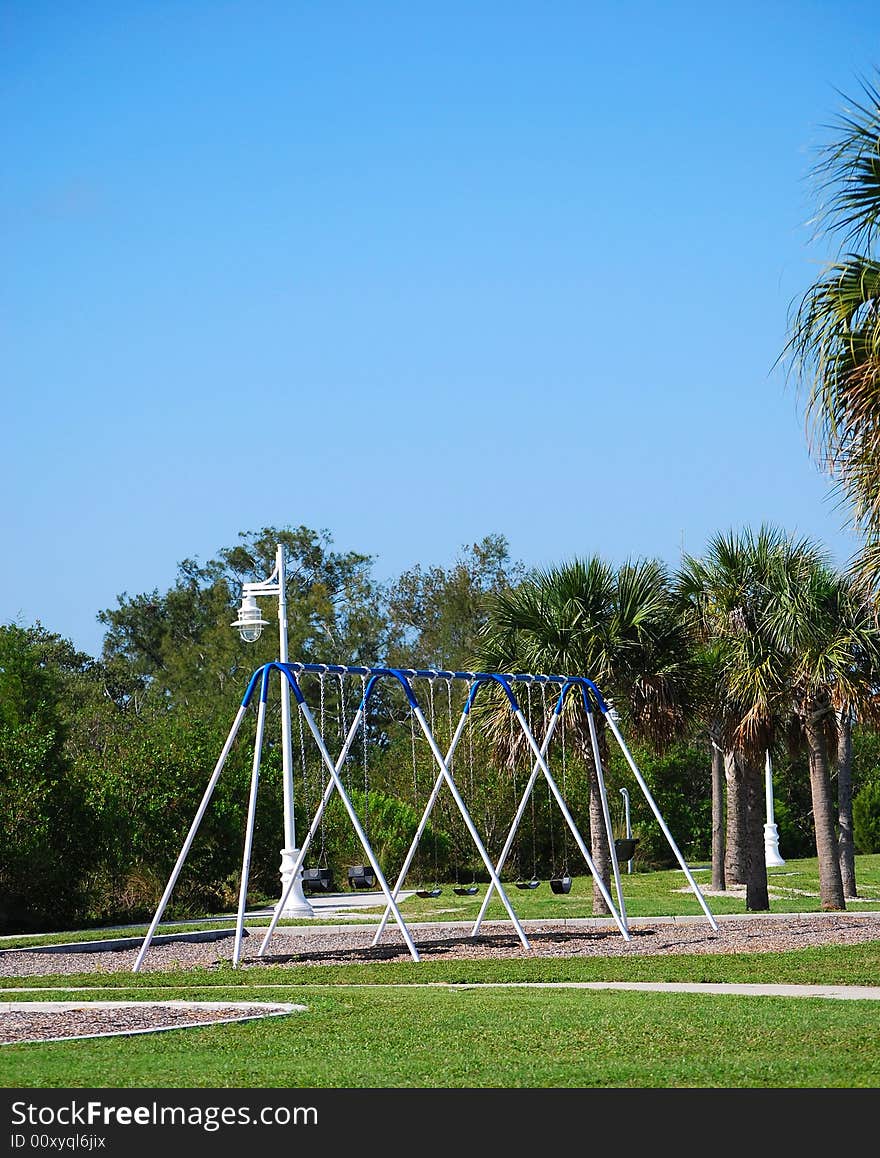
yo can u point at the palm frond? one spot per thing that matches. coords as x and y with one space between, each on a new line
847 173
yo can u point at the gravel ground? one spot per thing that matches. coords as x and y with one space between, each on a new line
293 945
42 1021
331 946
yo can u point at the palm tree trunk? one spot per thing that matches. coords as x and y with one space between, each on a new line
718 879
757 894
735 856
600 850
845 845
830 881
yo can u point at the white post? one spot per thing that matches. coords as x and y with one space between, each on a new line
296 904
772 858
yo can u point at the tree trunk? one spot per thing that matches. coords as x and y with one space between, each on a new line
830 881
735 857
845 845
718 879
757 894
600 850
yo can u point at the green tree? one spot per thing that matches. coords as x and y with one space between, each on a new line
834 341
619 628
798 659
830 636
866 818
724 596
144 785
47 844
180 645
437 612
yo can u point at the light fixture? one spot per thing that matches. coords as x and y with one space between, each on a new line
250 623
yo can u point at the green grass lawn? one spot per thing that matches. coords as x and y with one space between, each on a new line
431 1025
461 1038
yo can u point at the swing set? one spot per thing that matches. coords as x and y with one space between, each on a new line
370 874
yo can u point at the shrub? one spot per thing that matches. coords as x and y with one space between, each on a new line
866 818
46 838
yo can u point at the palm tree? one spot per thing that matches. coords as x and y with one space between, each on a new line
724 597
830 636
796 641
834 342
618 627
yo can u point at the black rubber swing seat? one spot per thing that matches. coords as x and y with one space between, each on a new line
561 884
532 884
467 890
625 848
435 892
317 879
361 876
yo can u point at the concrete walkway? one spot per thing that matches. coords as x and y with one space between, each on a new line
838 992
706 989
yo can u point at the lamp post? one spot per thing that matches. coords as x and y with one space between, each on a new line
625 794
250 626
772 857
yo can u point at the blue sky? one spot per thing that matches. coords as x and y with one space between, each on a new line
411 272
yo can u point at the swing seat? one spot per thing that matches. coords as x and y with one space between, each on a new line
625 848
435 892
315 879
561 884
466 890
361 876
532 884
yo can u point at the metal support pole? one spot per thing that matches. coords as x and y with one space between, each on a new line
541 765
414 844
194 828
625 794
469 824
336 783
653 805
251 815
511 834
606 814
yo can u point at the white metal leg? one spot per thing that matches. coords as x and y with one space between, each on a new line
362 836
569 819
209 792
606 814
445 775
411 851
653 805
249 831
511 835
475 836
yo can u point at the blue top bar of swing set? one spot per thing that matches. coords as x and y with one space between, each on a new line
567 682
427 673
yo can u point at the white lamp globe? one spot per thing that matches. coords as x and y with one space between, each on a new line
250 623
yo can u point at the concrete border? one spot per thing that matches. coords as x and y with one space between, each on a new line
264 1009
114 943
